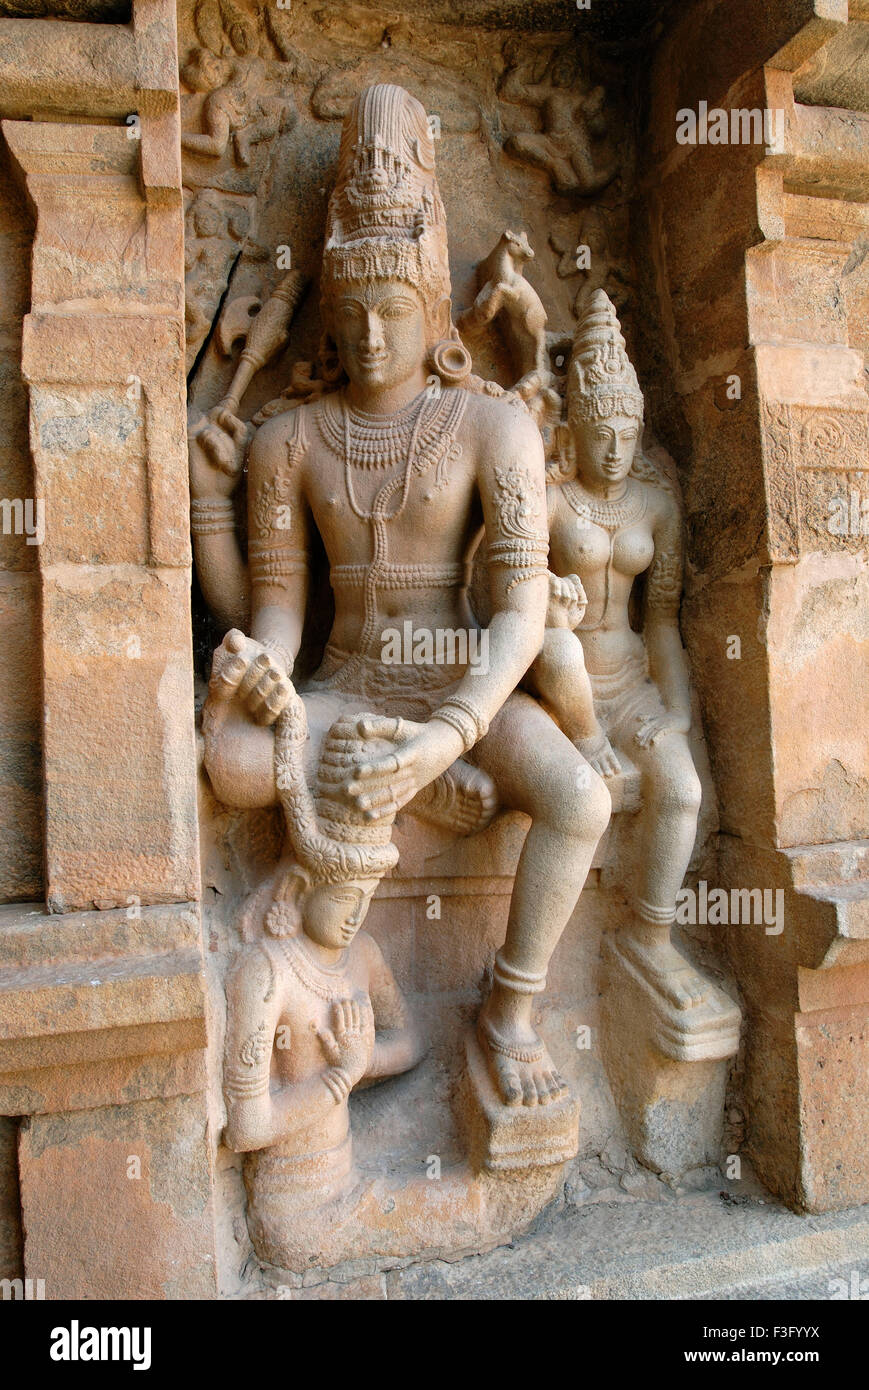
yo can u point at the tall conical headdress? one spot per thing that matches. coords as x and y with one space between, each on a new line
601 379
386 218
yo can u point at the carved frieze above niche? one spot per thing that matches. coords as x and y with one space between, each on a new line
530 130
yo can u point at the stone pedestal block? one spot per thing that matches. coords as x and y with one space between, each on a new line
506 1138
671 1101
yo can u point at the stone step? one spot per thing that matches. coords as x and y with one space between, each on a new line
700 1246
840 864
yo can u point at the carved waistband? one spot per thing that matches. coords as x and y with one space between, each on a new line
621 679
276 1173
392 576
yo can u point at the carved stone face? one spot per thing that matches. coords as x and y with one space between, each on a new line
207 219
379 329
605 448
205 72
333 913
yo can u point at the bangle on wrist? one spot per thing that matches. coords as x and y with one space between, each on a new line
279 650
211 516
464 717
337 1082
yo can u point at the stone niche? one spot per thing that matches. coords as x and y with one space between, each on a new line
163 176
441 914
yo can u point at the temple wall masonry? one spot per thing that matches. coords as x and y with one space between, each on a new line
329 321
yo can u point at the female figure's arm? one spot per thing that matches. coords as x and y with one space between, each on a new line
258 1117
668 663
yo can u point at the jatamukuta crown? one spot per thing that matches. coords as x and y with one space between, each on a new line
601 379
330 839
386 219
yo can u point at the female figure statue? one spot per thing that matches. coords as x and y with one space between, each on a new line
313 1009
621 694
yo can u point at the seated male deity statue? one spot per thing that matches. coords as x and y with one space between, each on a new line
399 469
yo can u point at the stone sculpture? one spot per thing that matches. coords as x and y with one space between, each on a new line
506 298
614 519
231 114
311 1004
210 225
572 118
372 467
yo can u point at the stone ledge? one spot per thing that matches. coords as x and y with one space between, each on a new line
91 69
97 1006
696 1248
715 1244
31 937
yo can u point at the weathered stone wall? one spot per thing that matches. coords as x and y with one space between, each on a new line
755 270
20 677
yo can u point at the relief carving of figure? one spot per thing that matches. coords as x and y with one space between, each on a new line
572 119
398 471
506 297
232 112
624 696
212 226
313 1009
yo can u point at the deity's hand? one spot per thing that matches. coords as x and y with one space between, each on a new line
422 752
248 669
600 754
567 601
348 1044
656 725
217 444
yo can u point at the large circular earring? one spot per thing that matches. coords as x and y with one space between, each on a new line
328 360
451 360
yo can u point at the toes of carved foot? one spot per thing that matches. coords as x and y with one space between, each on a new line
511 1089
544 1095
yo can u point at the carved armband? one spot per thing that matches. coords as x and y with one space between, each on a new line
527 559
464 717
280 651
273 555
247 1077
212 517
273 565
664 585
521 545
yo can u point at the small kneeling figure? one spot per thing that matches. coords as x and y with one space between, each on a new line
312 1008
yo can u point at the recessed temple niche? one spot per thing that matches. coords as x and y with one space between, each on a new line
436 468
423 477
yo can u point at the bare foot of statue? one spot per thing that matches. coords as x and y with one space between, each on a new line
520 1065
663 966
